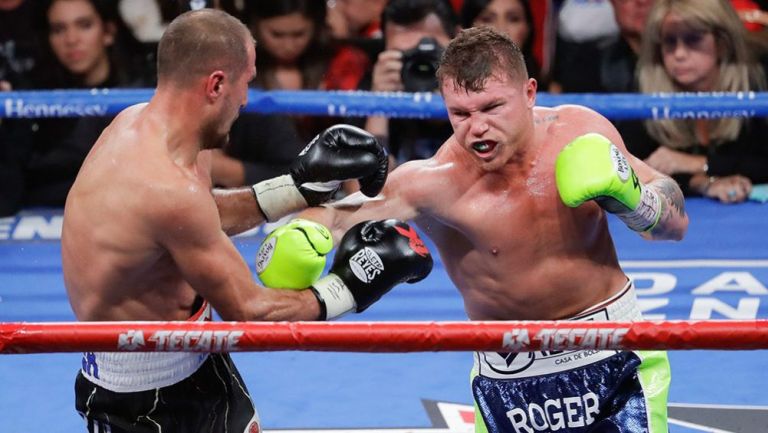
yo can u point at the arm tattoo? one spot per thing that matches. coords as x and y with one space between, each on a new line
670 190
672 208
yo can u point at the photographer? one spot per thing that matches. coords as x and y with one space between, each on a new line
415 33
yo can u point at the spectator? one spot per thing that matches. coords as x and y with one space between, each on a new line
294 52
92 47
21 47
699 46
606 65
86 38
405 24
512 17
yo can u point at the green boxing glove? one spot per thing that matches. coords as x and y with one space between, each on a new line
592 168
293 256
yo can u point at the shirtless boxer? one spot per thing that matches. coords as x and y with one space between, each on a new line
493 199
145 238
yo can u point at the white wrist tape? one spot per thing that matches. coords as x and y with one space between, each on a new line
278 197
648 211
334 295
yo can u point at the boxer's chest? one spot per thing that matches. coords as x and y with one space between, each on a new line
505 215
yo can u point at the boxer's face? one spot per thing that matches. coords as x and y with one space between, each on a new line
240 88
491 124
689 54
233 99
507 16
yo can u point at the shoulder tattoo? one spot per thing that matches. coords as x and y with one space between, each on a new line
546 119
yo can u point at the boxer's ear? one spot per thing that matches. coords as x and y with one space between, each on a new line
214 84
531 85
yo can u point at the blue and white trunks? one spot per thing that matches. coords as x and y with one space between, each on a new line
579 391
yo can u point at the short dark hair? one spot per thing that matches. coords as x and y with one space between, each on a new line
407 12
199 42
473 56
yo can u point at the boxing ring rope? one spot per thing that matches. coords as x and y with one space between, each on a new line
503 336
106 102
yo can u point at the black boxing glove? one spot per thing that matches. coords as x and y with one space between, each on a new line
371 259
339 153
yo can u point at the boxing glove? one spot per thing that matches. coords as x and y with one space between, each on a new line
339 153
293 256
592 168
372 257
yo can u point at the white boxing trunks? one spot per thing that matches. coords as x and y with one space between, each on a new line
140 371
164 391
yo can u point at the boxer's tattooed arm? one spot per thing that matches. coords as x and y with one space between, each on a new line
546 119
673 220
670 190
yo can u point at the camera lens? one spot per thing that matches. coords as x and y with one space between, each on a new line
420 65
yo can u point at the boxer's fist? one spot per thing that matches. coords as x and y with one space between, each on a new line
373 257
293 256
339 153
592 168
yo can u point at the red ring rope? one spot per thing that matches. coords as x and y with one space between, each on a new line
508 336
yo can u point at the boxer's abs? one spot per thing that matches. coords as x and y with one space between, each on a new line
539 289
518 255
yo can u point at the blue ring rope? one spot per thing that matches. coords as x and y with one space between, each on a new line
105 102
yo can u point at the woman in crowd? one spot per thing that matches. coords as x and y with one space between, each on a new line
699 46
92 47
295 51
513 17
88 46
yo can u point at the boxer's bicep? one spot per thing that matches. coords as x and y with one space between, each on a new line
218 273
205 256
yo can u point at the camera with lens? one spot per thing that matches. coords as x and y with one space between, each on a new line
420 66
